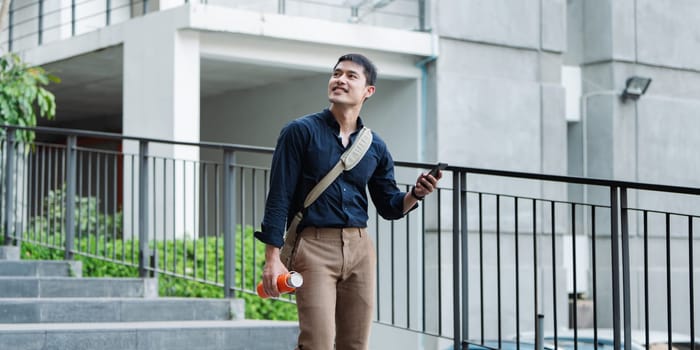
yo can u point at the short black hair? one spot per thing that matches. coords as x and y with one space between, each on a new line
370 69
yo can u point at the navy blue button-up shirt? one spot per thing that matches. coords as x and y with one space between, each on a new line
306 150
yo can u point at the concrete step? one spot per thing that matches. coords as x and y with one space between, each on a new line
41 268
68 287
186 335
9 252
57 310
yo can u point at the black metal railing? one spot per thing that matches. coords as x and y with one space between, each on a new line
485 260
34 22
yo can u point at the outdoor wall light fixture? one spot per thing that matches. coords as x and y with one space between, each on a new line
635 88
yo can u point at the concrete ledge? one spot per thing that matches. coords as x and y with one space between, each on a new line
9 252
59 310
214 335
69 287
41 268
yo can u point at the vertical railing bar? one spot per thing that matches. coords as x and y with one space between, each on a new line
254 219
408 270
133 180
423 285
595 279
62 185
104 202
439 265
50 210
554 272
460 218
154 206
72 142
229 211
16 176
691 282
614 250
517 274
114 206
143 209
573 258
98 195
538 330
174 215
35 170
646 276
626 301
44 188
241 191
393 274
217 215
205 215
89 207
184 217
9 187
164 253
81 212
481 266
196 166
498 269
379 299
669 319
57 204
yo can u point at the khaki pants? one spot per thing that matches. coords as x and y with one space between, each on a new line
335 303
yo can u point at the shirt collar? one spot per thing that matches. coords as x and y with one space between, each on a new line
330 120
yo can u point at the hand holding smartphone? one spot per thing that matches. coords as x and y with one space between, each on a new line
435 170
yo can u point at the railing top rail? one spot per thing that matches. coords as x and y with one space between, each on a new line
562 178
469 170
115 136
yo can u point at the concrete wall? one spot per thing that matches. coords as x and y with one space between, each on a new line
256 116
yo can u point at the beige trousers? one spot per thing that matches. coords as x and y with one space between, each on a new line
336 301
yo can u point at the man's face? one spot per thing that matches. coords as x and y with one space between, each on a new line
348 84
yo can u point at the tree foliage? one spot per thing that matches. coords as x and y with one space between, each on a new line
23 95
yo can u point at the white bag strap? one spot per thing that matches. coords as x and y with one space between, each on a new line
347 161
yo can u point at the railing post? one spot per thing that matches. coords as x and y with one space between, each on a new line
144 252
539 332
624 225
69 205
614 248
459 257
72 17
422 4
9 186
10 26
108 12
41 22
281 7
229 212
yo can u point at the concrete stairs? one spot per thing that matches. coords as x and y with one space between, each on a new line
48 305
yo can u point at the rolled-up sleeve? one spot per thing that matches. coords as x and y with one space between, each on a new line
385 193
284 175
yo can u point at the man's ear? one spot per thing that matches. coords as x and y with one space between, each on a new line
370 91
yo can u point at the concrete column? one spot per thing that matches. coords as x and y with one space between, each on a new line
161 100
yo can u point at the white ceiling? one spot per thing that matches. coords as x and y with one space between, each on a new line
90 92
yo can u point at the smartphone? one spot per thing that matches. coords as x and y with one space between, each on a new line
434 171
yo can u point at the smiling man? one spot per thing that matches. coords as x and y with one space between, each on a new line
333 252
